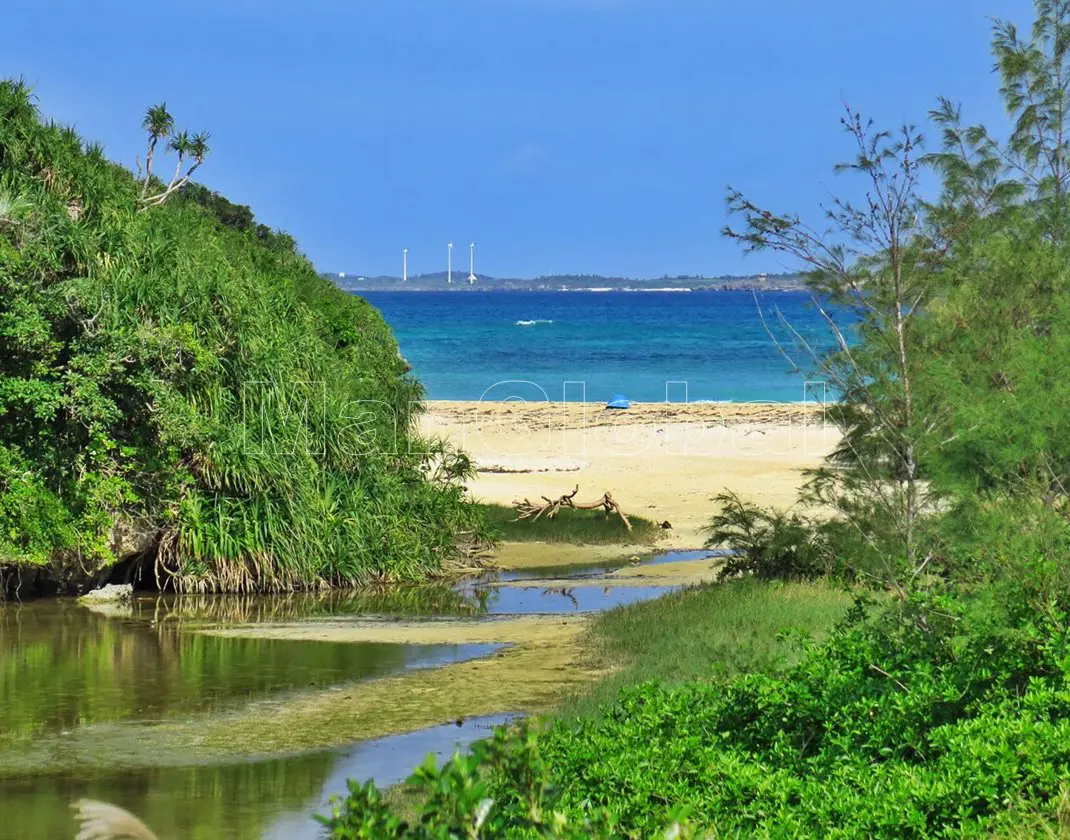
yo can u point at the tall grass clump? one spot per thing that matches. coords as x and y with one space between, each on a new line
179 384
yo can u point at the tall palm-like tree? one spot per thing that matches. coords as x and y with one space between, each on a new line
186 147
198 149
159 123
180 145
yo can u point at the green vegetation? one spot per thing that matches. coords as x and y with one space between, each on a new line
769 544
885 730
576 527
709 631
178 384
940 706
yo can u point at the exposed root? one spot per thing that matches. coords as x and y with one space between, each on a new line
179 568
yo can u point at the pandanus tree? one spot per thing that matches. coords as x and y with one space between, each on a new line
191 151
159 124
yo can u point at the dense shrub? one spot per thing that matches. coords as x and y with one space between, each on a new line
767 543
936 717
181 381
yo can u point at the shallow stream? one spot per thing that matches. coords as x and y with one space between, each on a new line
77 682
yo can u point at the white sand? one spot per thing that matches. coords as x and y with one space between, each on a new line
663 461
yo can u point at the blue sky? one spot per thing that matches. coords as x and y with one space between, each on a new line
587 136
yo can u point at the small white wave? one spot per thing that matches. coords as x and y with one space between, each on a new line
531 323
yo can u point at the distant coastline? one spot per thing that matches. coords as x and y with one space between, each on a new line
437 282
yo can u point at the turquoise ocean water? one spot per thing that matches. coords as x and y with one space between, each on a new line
649 346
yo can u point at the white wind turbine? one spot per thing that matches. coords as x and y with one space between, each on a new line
404 264
449 263
472 264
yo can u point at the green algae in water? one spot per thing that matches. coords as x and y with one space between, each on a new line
64 666
264 800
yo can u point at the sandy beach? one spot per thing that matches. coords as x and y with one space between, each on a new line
664 461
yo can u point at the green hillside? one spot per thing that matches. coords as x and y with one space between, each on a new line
179 385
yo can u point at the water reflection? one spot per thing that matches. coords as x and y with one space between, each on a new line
400 601
594 570
63 666
199 803
387 761
266 800
533 600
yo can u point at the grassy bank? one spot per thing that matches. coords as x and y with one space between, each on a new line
574 527
714 630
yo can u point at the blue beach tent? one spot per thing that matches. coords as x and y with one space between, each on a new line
619 401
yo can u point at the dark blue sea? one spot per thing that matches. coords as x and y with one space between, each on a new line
589 346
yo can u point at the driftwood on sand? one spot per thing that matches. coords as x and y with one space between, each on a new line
528 510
